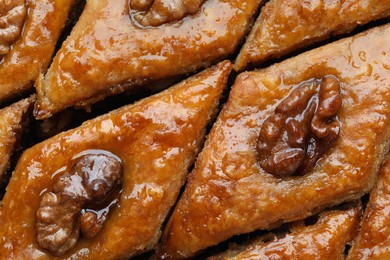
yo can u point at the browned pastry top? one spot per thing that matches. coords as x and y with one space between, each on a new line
373 241
228 193
156 139
286 26
12 119
32 50
108 51
325 239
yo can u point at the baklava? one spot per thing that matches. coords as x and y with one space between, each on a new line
326 238
373 239
103 190
29 30
284 27
297 137
13 120
118 45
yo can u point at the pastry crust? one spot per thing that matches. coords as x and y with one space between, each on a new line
156 139
373 239
228 193
12 119
286 26
326 239
32 52
107 52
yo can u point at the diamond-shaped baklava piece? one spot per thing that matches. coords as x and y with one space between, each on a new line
293 139
103 190
109 50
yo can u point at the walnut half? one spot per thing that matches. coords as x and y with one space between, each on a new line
302 129
12 16
62 212
158 12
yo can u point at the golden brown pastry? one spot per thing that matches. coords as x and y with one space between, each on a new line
286 26
103 190
296 107
121 44
12 121
373 239
325 239
28 34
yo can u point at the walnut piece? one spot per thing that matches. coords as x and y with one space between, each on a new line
302 129
12 16
158 12
61 214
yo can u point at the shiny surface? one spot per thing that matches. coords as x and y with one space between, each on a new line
228 193
88 181
285 26
373 241
107 52
326 239
11 125
12 15
32 52
157 140
303 127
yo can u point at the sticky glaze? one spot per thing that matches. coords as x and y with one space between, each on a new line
107 52
373 239
286 26
326 239
32 52
157 140
228 193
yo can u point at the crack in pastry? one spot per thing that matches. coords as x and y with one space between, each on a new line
89 182
157 140
12 16
229 193
287 26
108 53
302 128
325 239
12 123
373 239
158 12
33 28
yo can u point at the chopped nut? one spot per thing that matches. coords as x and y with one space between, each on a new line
12 16
89 182
302 129
158 12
